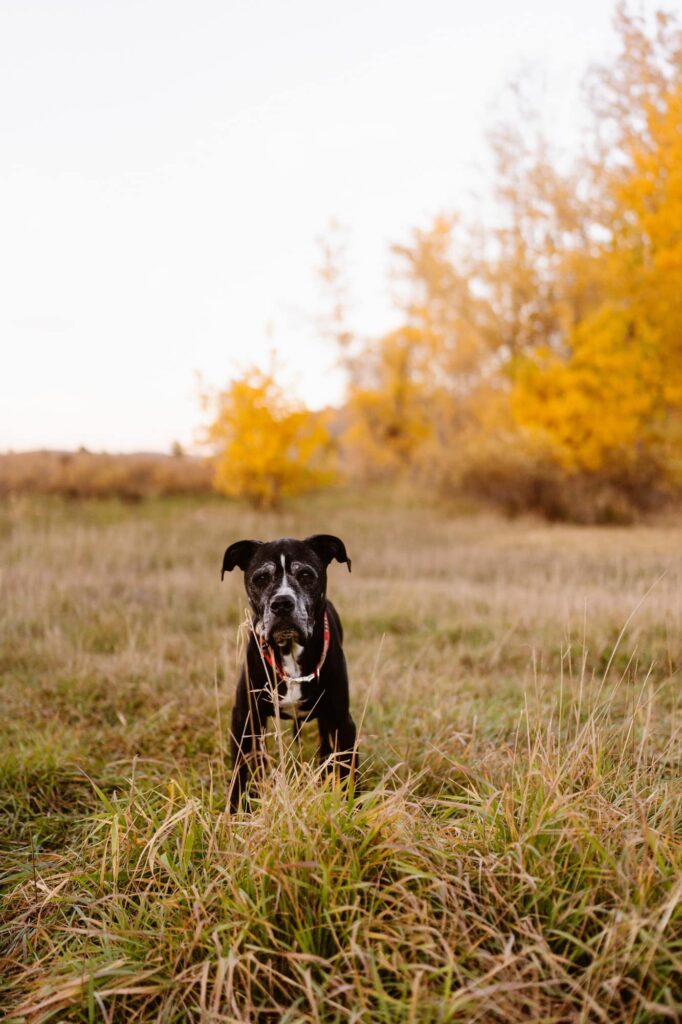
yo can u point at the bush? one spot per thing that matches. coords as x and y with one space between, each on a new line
84 474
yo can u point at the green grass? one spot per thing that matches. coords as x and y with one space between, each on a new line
515 850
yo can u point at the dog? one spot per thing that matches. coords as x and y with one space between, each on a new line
295 666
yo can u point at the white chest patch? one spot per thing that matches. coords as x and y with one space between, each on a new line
290 667
293 696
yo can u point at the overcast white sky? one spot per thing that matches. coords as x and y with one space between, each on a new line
166 167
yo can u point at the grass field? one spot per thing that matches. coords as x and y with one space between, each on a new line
515 853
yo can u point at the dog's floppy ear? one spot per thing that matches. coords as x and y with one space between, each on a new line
327 547
239 554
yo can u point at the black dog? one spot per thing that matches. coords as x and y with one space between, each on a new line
295 667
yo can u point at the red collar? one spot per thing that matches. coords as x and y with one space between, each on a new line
269 656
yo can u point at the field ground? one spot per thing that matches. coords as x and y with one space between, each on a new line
515 853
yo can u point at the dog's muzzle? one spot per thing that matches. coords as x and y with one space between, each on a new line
284 621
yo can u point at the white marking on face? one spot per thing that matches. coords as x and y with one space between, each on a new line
284 587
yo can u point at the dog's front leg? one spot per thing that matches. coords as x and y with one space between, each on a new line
245 743
338 738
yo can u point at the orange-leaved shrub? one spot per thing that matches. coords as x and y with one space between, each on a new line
267 446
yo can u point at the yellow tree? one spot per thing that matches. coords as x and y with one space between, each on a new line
598 407
609 399
442 311
556 333
267 446
387 407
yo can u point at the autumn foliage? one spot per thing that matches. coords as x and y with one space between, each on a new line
540 360
266 446
607 394
537 358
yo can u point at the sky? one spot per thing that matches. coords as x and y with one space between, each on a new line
167 168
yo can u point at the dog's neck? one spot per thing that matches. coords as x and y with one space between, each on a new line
287 658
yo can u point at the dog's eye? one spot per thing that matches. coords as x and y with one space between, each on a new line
261 578
306 575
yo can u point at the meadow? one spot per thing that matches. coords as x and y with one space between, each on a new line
514 852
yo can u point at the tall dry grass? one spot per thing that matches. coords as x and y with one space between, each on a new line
514 852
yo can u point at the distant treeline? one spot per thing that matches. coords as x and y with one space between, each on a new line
85 474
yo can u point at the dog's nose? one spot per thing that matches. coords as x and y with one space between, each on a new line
282 604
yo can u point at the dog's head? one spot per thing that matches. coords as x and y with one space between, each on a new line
286 582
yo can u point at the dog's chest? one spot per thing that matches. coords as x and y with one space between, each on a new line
293 696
